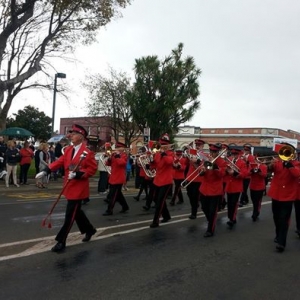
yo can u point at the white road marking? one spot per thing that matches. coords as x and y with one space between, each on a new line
44 244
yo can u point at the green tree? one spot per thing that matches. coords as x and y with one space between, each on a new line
35 31
33 120
165 93
108 96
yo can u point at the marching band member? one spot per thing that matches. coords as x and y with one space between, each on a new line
179 166
223 203
236 171
258 173
193 188
142 174
283 191
117 178
249 158
76 185
211 188
163 162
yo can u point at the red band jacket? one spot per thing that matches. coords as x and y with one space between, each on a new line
118 163
284 185
76 189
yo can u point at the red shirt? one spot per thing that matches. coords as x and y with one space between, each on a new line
164 168
257 180
212 180
76 189
234 184
26 156
179 166
118 168
284 185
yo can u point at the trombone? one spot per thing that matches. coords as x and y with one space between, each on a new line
206 162
231 165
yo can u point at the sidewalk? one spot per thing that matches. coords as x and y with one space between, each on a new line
56 186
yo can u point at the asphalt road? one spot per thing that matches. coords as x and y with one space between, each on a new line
128 260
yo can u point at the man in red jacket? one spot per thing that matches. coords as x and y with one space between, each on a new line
258 173
179 166
163 163
211 188
76 183
117 178
236 171
283 191
192 176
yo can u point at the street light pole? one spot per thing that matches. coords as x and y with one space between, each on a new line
57 75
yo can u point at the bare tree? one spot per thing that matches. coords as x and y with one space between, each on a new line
34 31
109 97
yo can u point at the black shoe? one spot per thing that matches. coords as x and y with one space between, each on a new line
153 225
165 220
146 207
208 234
230 224
136 198
85 201
89 235
192 217
107 213
123 210
280 248
254 218
59 247
172 203
179 202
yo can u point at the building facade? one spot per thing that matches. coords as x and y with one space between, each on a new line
257 137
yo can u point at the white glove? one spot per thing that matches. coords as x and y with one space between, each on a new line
40 175
71 175
1 159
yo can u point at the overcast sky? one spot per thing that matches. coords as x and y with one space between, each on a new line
248 51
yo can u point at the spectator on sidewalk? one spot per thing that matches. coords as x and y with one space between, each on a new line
26 157
12 157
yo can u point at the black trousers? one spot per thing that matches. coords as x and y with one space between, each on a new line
232 205
177 191
144 186
116 195
210 209
74 213
23 173
256 198
297 214
244 196
161 194
151 196
282 211
194 196
103 181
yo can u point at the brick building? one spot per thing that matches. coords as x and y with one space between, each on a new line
257 137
